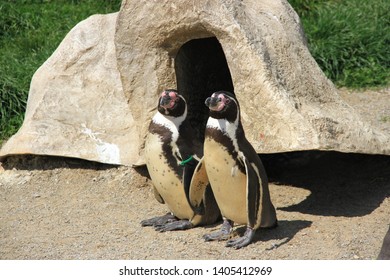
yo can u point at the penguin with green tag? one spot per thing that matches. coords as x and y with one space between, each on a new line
236 174
171 154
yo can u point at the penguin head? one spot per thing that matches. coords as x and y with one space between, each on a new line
171 103
223 105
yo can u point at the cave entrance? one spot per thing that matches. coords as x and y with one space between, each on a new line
201 69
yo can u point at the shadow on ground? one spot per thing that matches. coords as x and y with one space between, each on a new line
282 234
341 184
37 162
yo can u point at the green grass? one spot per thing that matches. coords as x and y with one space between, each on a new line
385 119
349 39
30 31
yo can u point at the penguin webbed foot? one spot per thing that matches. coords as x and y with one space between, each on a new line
242 241
174 225
158 221
223 234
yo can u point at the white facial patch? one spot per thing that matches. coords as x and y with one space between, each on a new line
226 127
173 124
219 124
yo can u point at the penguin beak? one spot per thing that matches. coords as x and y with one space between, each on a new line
214 103
167 102
168 99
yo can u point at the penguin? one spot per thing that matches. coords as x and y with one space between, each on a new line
236 174
171 154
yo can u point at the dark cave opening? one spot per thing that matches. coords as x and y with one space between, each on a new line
201 69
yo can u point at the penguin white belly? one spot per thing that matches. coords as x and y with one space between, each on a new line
165 180
227 182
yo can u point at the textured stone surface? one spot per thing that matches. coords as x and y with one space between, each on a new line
76 106
94 97
257 48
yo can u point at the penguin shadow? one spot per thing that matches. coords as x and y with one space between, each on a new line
279 235
143 171
340 184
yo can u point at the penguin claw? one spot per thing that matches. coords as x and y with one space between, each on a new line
223 234
238 242
157 221
216 236
242 241
174 225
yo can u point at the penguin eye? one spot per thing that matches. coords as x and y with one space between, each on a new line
227 101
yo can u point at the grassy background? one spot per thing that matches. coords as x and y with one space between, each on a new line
30 31
348 38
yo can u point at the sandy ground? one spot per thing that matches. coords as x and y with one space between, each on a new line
329 205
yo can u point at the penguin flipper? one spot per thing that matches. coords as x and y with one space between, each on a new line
252 193
188 172
198 186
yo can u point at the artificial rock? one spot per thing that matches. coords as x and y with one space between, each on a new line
99 89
